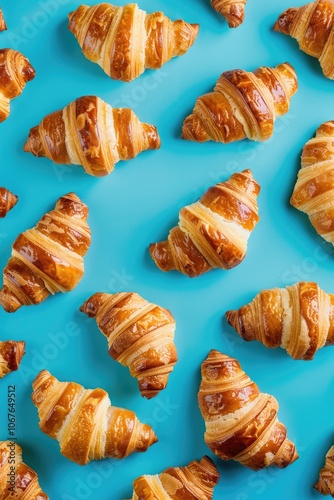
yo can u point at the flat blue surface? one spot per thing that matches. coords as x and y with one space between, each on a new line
137 204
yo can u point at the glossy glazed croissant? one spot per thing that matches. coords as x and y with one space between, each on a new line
11 354
8 200
314 189
89 132
312 25
214 231
298 318
15 72
232 10
20 483
85 424
3 26
48 258
140 335
241 422
242 104
196 481
325 485
125 41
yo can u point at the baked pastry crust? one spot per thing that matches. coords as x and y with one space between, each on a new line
11 354
125 41
89 132
48 258
85 424
314 190
8 200
232 10
195 481
312 25
241 422
25 479
140 335
242 105
214 231
15 72
3 25
298 318
325 485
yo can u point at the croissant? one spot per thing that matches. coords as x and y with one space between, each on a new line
314 192
325 485
140 335
125 41
214 231
48 258
232 10
241 422
298 318
85 424
8 200
3 26
11 354
91 133
312 25
17 480
196 481
243 104
15 72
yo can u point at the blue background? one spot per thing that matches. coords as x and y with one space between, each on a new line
137 204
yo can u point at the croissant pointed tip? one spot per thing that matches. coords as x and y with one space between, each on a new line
152 136
20 350
162 255
214 353
92 305
285 21
34 143
8 301
153 438
29 73
196 28
231 317
14 200
193 129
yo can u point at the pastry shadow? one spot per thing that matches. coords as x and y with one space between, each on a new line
72 54
115 378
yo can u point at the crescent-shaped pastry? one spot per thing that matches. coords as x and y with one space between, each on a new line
140 335
241 421
85 424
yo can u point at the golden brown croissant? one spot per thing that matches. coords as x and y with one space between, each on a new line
140 335
125 41
241 422
314 190
298 318
214 231
325 485
85 424
17 480
89 132
232 10
242 104
11 354
48 258
7 201
3 26
15 72
312 25
195 481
